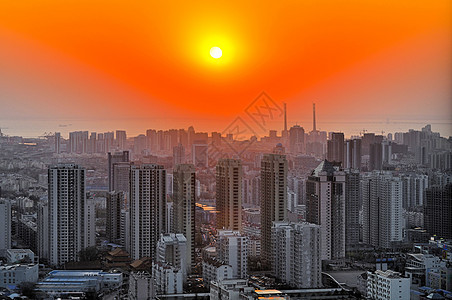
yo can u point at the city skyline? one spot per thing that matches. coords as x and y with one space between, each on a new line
226 150
373 61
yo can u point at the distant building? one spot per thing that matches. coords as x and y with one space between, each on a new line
325 204
335 148
114 158
382 209
352 207
438 211
296 139
388 285
352 154
229 194
296 254
178 155
273 198
5 224
121 139
199 155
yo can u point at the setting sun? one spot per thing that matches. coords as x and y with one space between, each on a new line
216 52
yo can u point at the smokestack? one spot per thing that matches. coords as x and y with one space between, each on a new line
313 117
285 118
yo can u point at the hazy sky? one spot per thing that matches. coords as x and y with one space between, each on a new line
105 65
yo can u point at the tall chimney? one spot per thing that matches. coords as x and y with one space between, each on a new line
285 118
313 117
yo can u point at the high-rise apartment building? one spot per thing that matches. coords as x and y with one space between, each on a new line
335 147
121 139
229 194
273 198
352 207
121 177
296 139
183 208
57 142
296 254
70 217
5 224
178 155
114 158
115 204
382 209
78 142
199 155
438 211
325 205
147 209
352 154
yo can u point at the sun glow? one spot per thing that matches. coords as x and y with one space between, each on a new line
216 52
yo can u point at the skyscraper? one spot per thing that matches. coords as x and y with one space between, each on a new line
438 211
382 209
352 207
325 205
121 177
352 154
178 155
184 201
147 209
121 139
375 157
296 254
5 224
335 147
229 194
199 154
296 139
273 198
115 203
57 142
114 158
68 213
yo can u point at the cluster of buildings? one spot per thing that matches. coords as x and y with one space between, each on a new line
298 209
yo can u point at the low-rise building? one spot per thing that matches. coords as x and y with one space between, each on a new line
141 286
60 282
16 255
418 266
387 285
13 275
215 270
229 289
168 279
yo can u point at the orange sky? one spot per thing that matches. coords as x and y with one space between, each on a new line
113 61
